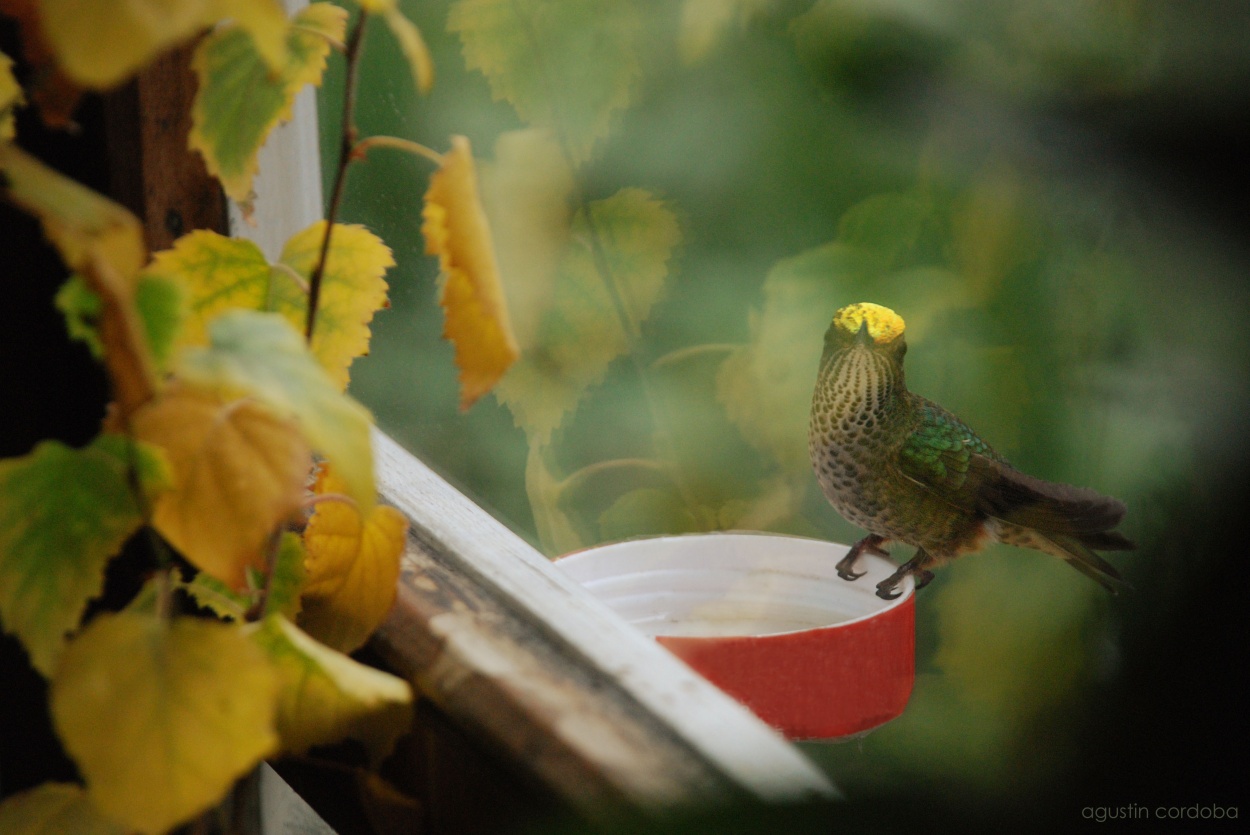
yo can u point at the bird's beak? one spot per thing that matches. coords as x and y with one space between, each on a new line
862 336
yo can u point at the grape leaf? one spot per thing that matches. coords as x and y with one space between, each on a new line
526 193
475 315
11 98
289 576
158 301
238 471
327 697
241 99
260 354
703 23
100 42
217 273
63 514
212 594
766 386
353 565
162 717
352 290
222 273
568 65
54 809
582 332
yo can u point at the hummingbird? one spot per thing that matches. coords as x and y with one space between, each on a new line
906 470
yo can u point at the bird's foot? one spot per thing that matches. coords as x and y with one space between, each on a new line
887 589
871 544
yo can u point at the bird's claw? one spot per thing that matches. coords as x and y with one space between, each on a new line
846 565
886 590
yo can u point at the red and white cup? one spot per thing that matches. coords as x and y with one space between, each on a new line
767 619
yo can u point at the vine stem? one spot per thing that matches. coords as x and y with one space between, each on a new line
367 144
347 144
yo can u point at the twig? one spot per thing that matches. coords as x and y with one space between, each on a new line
346 143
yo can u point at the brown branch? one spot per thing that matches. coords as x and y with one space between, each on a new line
346 143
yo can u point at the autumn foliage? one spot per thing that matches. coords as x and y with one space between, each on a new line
223 415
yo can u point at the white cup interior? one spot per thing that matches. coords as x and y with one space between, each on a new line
731 584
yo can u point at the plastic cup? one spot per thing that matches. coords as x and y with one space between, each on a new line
767 619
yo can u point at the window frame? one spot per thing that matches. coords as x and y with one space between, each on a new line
519 655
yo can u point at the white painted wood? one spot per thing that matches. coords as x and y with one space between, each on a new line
288 185
724 732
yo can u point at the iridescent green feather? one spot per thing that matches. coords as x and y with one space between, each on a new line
938 452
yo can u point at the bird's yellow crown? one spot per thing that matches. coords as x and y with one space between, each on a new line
884 325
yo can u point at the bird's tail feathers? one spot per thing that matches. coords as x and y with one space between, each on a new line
1077 554
1053 508
1060 519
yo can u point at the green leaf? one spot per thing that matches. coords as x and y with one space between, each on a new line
216 596
327 697
241 99
646 511
887 225
159 302
288 577
583 331
63 514
163 717
766 386
54 809
81 308
260 354
526 193
568 65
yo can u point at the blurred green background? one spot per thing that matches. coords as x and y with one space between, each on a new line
1043 190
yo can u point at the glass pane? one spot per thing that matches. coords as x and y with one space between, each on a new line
684 193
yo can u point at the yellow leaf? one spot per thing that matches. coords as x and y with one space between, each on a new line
327 697
475 315
260 354
11 98
162 717
218 273
352 290
238 471
241 99
221 273
99 43
413 46
54 809
104 243
353 566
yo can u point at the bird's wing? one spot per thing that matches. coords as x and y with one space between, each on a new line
943 455
946 457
